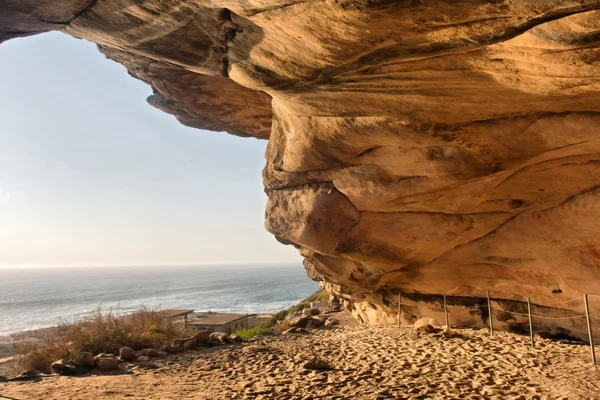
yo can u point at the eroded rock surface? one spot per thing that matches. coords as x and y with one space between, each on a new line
416 146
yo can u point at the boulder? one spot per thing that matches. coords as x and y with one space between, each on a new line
106 362
127 354
84 359
317 364
152 353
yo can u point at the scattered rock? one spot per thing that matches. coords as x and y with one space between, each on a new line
331 322
106 362
214 343
425 325
305 322
62 367
189 344
172 349
317 364
295 331
220 336
311 311
150 353
202 336
84 359
234 338
29 374
127 354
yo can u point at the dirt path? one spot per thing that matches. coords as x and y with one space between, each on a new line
368 363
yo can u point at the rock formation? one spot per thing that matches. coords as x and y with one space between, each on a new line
419 146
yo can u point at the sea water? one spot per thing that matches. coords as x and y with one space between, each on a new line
38 298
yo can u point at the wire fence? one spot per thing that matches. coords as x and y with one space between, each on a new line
530 316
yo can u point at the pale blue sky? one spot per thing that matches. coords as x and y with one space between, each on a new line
90 174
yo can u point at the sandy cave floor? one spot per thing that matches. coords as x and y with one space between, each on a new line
369 362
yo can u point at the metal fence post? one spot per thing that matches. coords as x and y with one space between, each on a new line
589 326
446 313
399 309
530 324
490 314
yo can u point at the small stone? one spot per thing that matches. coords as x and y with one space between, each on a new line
317 364
152 353
127 354
295 331
84 359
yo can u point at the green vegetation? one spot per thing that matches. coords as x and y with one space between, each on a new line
249 333
317 296
277 322
99 333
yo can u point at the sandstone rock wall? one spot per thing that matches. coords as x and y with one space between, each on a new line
417 146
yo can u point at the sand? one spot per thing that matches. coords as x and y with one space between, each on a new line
369 362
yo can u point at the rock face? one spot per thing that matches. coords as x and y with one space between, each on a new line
419 147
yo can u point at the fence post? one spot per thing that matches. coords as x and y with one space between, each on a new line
530 324
490 314
589 326
399 309
446 313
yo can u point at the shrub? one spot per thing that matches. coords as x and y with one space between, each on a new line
249 333
317 296
98 333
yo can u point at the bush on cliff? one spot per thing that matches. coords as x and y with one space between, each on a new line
249 333
99 332
277 322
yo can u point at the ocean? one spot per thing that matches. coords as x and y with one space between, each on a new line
39 298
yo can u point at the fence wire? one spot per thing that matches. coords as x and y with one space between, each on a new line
537 316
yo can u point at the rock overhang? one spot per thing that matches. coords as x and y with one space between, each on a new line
421 147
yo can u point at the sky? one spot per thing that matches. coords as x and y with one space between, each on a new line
91 175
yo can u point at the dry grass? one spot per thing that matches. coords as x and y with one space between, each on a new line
100 332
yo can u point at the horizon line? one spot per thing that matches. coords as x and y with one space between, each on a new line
232 264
